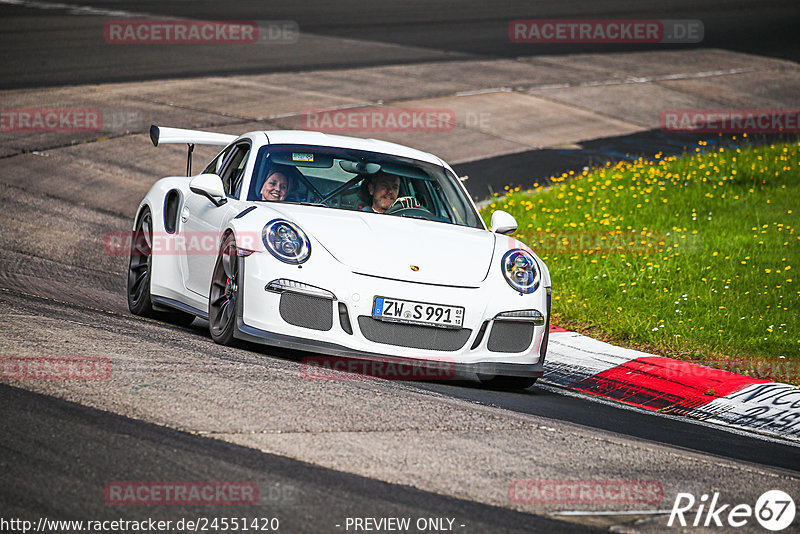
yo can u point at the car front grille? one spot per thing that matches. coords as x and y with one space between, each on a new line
413 336
306 311
507 336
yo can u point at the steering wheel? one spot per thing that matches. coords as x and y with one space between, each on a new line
399 209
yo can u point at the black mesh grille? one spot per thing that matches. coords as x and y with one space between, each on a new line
309 312
413 336
507 336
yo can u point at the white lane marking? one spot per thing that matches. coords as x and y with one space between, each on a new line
550 86
601 83
642 79
484 91
73 9
611 512
604 82
706 74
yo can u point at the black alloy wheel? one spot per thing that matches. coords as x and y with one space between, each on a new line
224 293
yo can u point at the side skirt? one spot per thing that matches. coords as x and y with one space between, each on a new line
164 302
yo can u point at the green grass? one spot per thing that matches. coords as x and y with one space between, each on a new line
692 257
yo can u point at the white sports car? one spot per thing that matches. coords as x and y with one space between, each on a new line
348 247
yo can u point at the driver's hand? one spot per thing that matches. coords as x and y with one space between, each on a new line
406 203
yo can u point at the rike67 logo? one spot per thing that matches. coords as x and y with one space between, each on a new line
774 510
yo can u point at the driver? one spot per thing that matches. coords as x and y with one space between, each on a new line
383 189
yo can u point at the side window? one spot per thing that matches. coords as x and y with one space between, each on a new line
233 171
216 164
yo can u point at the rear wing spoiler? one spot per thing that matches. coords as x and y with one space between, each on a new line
160 135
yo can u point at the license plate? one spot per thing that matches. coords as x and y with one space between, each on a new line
413 312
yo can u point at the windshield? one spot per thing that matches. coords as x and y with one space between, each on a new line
360 181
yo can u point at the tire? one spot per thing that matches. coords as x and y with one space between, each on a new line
140 267
224 294
508 383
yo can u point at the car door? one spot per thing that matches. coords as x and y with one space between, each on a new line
202 221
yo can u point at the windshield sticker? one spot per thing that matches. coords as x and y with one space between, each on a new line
298 156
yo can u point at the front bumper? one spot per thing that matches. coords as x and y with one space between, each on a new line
260 321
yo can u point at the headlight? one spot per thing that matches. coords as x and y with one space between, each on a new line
286 241
521 271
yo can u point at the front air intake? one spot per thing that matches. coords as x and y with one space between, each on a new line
413 336
315 313
508 336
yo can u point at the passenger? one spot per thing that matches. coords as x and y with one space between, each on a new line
383 189
276 186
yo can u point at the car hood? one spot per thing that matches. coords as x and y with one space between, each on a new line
390 246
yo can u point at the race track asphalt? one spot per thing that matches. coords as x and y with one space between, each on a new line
178 407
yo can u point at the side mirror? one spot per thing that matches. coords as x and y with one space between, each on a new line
210 186
503 223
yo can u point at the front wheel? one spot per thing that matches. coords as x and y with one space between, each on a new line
508 383
223 295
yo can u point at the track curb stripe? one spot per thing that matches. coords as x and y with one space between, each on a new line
670 386
659 383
